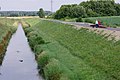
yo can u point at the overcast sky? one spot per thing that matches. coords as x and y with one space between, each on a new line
34 5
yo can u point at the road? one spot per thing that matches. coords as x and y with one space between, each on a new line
83 24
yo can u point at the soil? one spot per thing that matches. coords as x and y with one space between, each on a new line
111 34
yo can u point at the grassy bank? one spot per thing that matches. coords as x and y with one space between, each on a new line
6 30
64 53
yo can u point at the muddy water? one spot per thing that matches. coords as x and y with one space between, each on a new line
19 62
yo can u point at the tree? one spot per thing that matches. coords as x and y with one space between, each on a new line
70 11
101 7
41 13
117 8
91 8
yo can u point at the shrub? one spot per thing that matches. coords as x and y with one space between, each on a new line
43 59
52 70
35 39
79 19
38 49
89 21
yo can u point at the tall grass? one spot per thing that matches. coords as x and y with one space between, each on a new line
6 29
69 54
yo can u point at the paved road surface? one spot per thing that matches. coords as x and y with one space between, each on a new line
83 24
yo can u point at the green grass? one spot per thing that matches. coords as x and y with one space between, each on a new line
32 21
113 21
5 26
6 29
70 20
110 21
64 53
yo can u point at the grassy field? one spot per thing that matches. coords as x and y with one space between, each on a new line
6 29
64 53
113 21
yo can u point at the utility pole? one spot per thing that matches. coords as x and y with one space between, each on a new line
0 10
51 5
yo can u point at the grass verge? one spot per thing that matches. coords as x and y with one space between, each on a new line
64 53
110 21
6 30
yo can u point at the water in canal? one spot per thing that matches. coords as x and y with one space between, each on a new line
19 62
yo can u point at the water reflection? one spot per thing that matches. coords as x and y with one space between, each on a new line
19 62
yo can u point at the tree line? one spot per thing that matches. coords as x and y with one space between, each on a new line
22 13
18 13
92 8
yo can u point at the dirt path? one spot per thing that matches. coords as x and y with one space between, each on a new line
19 62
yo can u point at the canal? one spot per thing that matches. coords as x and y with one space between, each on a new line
19 62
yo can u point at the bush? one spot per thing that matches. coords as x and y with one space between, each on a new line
53 70
42 59
35 40
89 21
37 49
79 19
